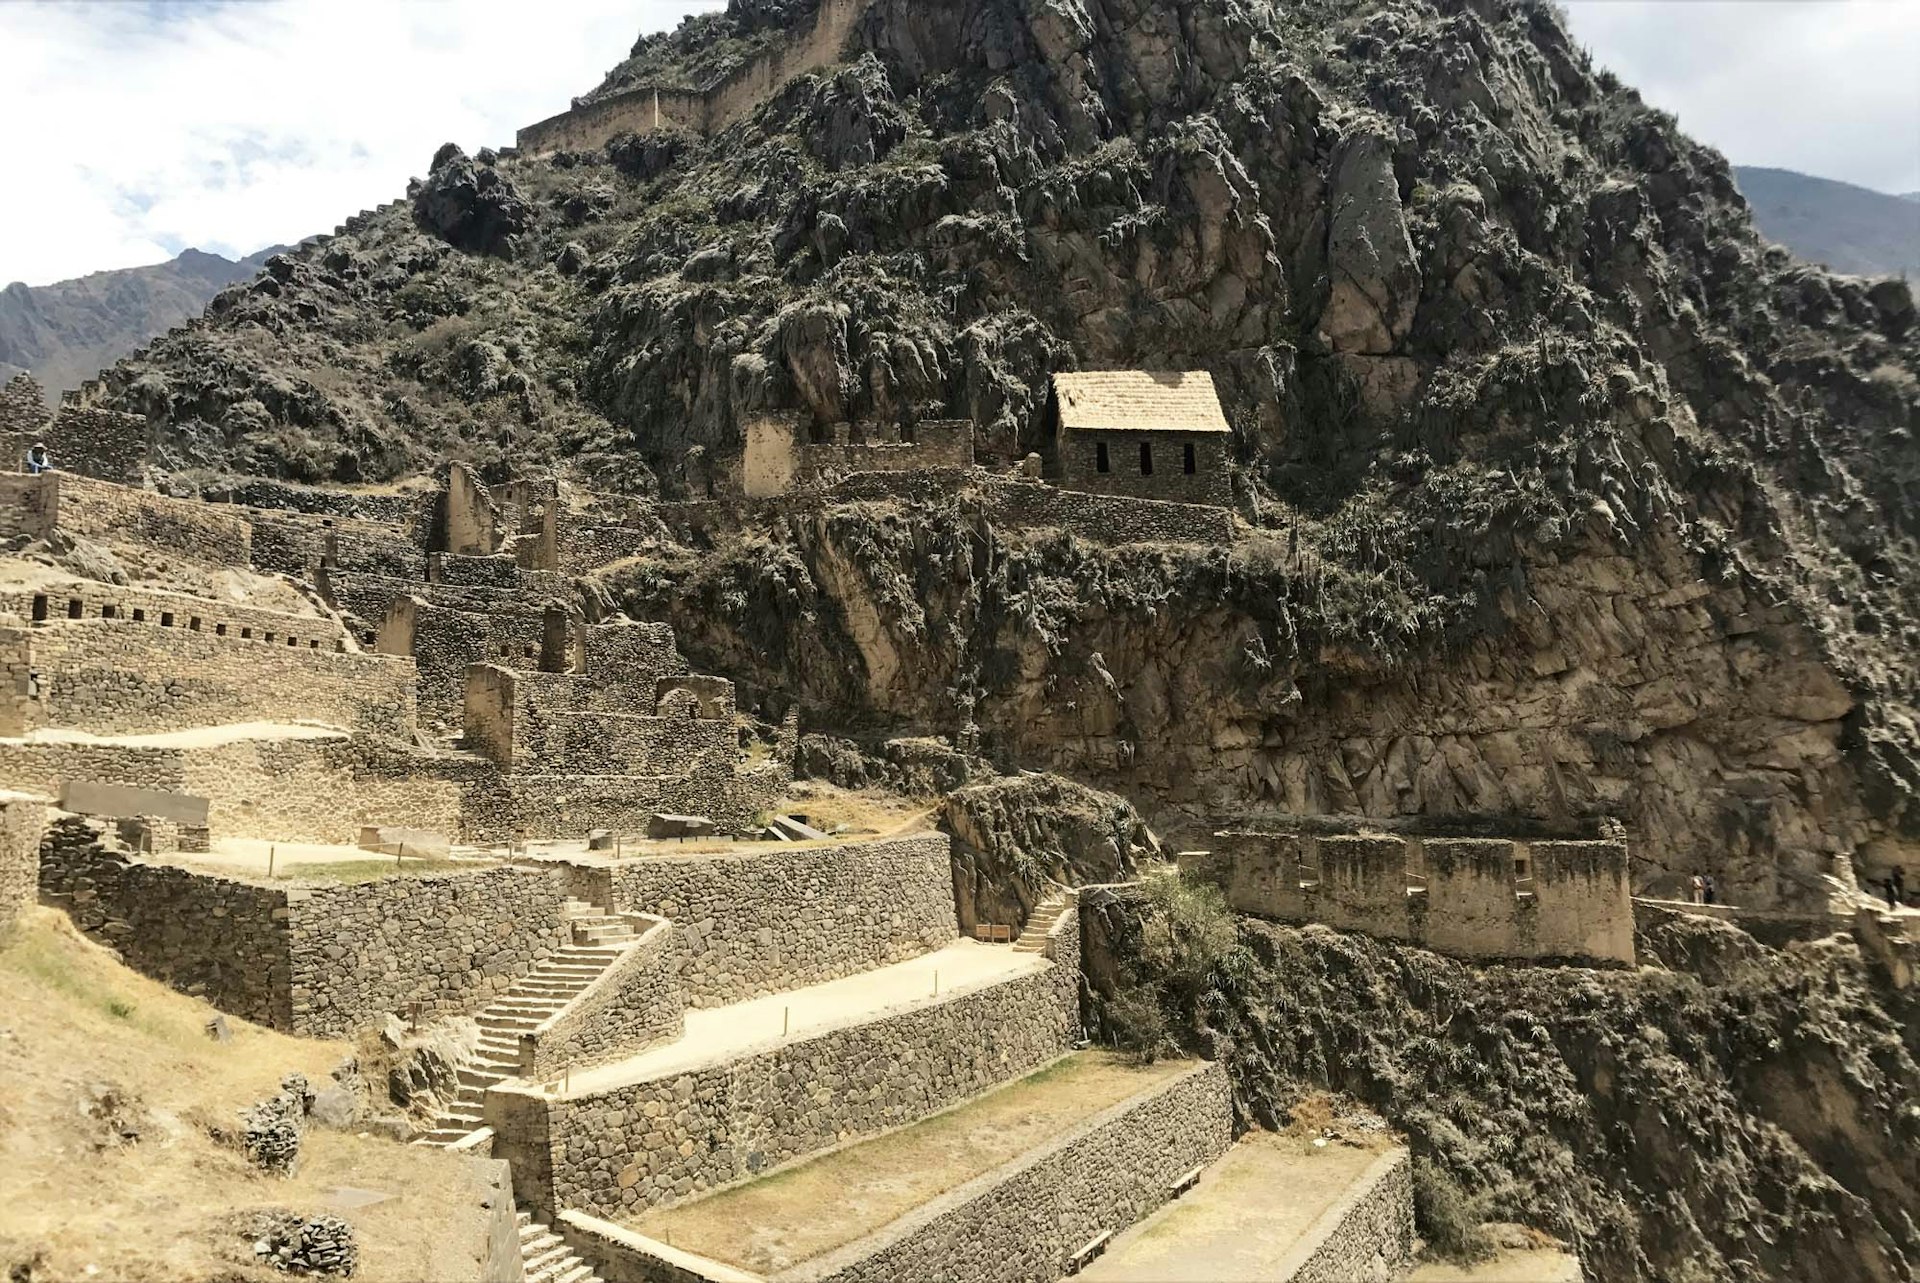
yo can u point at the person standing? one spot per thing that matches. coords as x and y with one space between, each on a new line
1706 888
1697 889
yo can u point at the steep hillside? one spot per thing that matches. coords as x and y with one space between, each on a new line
1577 501
1846 228
66 332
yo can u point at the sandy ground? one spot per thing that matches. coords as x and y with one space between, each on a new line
1248 1210
77 1204
797 1214
724 1033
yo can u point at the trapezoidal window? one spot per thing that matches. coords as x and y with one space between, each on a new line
1186 458
40 608
1146 458
1099 456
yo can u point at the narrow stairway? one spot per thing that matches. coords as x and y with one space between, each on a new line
598 938
546 1256
1033 938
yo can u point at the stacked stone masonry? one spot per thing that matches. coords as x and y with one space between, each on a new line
442 944
103 512
655 1141
223 940
323 961
90 599
1466 896
112 678
23 817
757 923
590 124
318 789
1367 1235
637 1002
1025 1220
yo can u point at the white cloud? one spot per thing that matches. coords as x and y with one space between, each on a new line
142 129
1827 87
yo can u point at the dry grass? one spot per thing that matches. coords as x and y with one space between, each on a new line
816 1206
161 1209
826 807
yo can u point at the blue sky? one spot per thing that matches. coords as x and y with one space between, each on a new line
138 129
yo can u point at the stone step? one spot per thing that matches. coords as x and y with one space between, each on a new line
535 1237
485 1076
525 1007
517 1024
546 1257
523 1219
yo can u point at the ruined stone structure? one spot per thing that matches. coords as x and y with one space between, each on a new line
1467 896
1142 433
591 122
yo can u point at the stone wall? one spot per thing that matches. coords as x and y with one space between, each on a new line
220 939
1368 1234
1127 455
27 505
23 419
1468 896
591 124
1026 1219
19 687
86 441
501 808
23 818
444 643
935 444
117 514
300 543
658 1140
783 918
448 943
91 599
319 960
556 724
635 1003
310 789
111 678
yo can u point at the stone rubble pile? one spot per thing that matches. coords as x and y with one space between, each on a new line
295 1244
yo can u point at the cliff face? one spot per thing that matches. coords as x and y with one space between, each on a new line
1578 500
1745 1115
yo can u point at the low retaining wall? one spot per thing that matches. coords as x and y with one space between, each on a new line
1368 1234
774 919
655 1141
630 1006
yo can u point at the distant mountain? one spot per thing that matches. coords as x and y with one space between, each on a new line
1850 229
66 332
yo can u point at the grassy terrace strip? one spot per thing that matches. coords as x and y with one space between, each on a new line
824 1203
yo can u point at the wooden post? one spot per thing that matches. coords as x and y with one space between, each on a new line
786 1020
271 850
936 982
399 855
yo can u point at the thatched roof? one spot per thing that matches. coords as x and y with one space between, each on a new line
1138 401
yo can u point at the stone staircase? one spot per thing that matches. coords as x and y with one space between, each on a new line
1033 937
598 939
546 1256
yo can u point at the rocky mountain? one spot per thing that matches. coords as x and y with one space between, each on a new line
1570 503
66 332
1578 500
1843 227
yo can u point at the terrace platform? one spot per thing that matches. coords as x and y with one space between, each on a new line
1266 1211
716 1035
